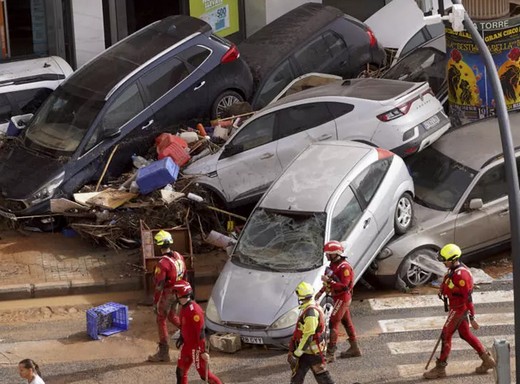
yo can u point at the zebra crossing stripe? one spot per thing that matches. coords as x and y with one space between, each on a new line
457 368
419 346
437 322
424 301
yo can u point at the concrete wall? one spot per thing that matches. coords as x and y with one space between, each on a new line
89 34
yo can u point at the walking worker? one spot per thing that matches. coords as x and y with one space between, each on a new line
170 269
457 287
307 345
29 370
193 339
338 282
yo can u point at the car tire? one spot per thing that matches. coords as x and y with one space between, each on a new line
411 274
403 214
223 101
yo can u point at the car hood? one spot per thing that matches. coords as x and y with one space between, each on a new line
203 165
249 296
427 217
23 172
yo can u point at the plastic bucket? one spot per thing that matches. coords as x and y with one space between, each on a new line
218 239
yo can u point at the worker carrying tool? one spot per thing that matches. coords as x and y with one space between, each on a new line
457 287
338 282
193 339
308 345
170 269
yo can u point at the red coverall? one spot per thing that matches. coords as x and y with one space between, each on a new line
192 332
170 268
457 285
340 288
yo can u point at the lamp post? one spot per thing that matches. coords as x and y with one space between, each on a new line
509 161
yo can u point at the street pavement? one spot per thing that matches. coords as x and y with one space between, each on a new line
34 265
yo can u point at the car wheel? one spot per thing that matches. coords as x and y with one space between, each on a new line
223 102
403 214
411 273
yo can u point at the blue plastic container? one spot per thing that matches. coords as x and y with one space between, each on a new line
157 175
106 320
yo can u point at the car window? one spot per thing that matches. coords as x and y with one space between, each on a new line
339 109
195 55
256 133
335 43
5 109
416 40
491 186
346 213
29 100
367 182
127 105
164 77
313 56
302 117
274 84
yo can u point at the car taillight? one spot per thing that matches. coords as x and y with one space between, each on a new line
371 37
383 153
402 109
231 55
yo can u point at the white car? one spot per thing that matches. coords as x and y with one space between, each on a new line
25 84
403 117
338 190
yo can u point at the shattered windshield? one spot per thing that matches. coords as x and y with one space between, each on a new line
439 180
63 121
282 241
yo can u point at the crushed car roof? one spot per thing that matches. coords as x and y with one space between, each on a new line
310 180
284 33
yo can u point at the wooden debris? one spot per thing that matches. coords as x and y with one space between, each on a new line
111 198
63 205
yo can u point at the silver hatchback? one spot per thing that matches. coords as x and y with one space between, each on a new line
345 191
461 197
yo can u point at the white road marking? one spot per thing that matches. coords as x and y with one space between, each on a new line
437 322
424 301
457 368
419 346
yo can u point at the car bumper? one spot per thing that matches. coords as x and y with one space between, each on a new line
279 338
14 214
424 137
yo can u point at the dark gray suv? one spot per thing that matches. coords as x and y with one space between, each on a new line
172 70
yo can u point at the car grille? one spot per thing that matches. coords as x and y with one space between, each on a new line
11 205
247 326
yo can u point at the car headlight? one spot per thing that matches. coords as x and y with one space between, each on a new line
212 312
47 191
287 320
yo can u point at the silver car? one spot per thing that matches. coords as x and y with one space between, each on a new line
345 191
401 116
461 197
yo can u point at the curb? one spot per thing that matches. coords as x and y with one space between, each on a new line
64 288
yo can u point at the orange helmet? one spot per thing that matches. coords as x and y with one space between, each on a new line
182 288
334 247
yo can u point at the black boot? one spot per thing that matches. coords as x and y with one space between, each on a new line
162 355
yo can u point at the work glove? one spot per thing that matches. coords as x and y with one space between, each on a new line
317 296
474 323
292 360
179 342
205 356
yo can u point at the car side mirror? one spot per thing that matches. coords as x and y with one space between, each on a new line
230 150
475 204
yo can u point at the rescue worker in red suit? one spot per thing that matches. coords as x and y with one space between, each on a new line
170 269
308 345
338 282
457 287
193 339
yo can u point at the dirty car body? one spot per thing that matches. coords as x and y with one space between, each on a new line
401 116
167 72
341 190
461 197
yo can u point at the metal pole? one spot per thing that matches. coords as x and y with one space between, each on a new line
511 171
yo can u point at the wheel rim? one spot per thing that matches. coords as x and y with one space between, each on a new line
225 103
416 275
404 212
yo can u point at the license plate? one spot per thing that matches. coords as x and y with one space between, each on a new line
431 122
252 340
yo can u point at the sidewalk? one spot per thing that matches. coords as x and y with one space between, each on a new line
36 265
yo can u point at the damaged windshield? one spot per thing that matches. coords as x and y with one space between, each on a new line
63 120
282 241
439 180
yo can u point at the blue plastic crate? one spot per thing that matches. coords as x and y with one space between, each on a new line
156 175
106 320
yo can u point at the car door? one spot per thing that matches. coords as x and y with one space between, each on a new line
277 80
475 229
301 125
248 163
355 227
